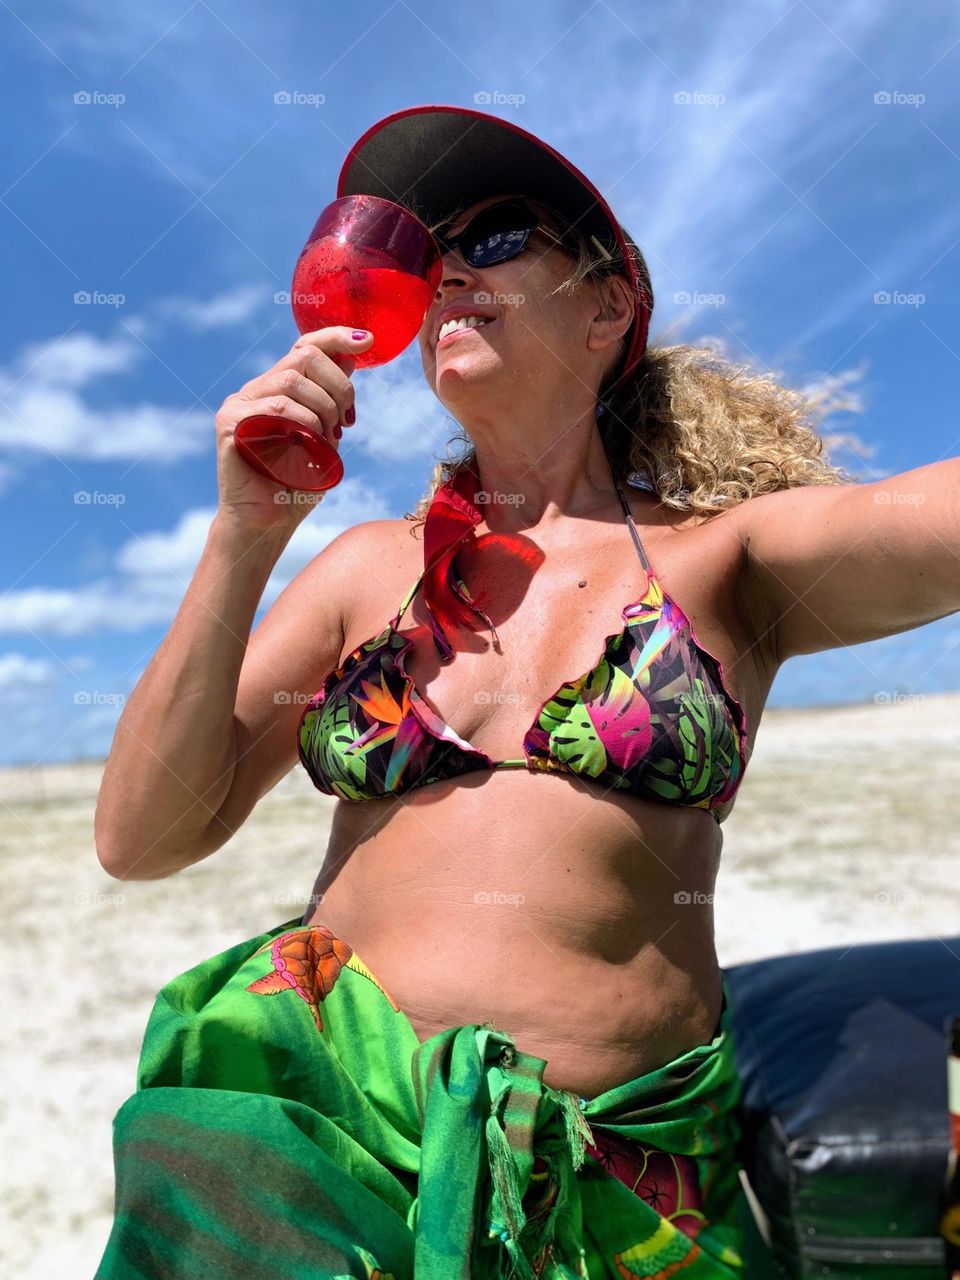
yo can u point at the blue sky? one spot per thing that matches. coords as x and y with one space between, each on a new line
749 156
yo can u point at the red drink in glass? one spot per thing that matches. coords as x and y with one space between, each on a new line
388 302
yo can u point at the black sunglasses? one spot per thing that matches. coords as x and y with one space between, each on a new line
496 234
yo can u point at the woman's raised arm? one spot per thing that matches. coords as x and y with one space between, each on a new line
172 761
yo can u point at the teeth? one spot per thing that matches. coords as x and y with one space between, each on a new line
465 322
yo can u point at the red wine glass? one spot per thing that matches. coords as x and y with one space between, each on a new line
368 264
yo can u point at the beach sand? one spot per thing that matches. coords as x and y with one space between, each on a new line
846 830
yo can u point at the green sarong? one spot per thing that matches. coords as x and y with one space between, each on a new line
289 1124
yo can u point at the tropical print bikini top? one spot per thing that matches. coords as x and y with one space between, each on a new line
653 717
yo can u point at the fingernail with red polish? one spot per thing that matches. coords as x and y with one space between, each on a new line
351 416
338 431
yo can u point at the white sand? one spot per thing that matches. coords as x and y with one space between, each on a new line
847 830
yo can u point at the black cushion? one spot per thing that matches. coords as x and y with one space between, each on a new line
842 1054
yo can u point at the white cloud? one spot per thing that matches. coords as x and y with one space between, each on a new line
73 360
703 187
352 502
60 422
22 678
153 571
176 552
398 416
60 611
228 309
223 310
81 662
43 408
8 475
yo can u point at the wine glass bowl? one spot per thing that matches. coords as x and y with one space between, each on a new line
370 263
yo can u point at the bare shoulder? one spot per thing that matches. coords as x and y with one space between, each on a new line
368 534
377 535
374 559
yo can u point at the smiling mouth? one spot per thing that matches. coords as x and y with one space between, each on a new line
472 328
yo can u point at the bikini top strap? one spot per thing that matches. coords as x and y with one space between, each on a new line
407 598
633 528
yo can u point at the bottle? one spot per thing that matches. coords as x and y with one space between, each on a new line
950 1219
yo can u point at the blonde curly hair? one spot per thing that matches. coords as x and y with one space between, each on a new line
704 431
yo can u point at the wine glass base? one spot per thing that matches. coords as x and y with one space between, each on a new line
292 456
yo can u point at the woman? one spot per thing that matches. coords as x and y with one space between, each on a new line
498 1042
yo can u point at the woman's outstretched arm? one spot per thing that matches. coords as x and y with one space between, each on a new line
837 565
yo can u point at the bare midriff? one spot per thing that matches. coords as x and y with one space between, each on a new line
578 920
